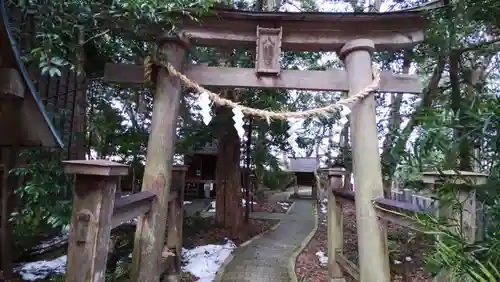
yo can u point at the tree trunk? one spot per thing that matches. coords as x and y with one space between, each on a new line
394 125
317 180
463 155
429 95
228 181
77 146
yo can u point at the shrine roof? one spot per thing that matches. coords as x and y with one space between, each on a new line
301 164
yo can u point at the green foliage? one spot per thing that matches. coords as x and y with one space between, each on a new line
105 25
452 252
44 198
277 179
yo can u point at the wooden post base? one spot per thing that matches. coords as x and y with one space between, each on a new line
172 278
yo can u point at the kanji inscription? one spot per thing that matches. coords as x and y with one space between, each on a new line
268 53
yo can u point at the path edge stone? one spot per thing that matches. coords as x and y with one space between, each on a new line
293 259
220 272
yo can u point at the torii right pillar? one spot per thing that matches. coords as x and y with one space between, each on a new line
372 236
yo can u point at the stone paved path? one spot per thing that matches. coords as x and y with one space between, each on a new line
266 259
195 205
267 215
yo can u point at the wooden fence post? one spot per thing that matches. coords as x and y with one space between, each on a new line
174 230
93 201
335 230
468 217
372 237
150 232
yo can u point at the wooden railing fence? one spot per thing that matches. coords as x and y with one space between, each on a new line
399 210
423 201
96 211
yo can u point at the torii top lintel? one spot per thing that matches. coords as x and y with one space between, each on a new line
307 31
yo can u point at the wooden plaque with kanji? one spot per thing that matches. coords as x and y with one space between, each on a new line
268 51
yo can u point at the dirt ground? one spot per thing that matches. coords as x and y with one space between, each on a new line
406 249
205 231
272 207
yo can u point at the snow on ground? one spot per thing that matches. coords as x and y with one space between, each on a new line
284 205
205 261
244 202
212 207
323 259
33 271
201 261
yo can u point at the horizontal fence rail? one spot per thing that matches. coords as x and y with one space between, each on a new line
424 202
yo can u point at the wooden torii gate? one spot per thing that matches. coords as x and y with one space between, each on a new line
353 36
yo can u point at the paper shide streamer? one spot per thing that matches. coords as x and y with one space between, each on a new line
238 122
295 124
206 111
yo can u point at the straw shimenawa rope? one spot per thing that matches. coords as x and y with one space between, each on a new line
367 91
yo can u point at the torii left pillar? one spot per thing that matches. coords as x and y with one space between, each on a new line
150 232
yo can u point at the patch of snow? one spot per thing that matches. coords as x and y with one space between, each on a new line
408 259
205 261
244 202
34 271
397 261
187 202
201 261
133 221
284 205
323 259
212 207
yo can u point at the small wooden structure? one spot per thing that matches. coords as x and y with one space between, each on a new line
23 123
303 169
354 36
201 171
